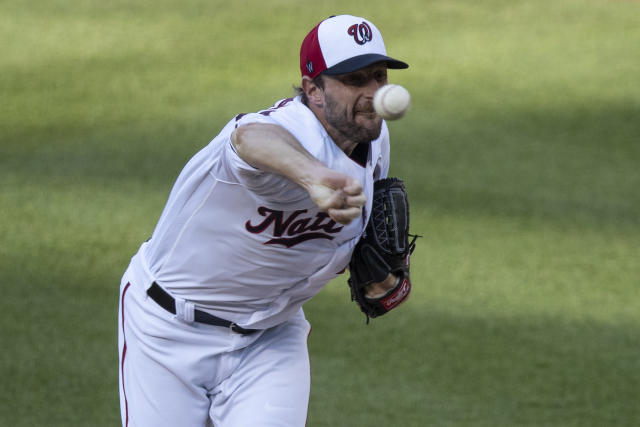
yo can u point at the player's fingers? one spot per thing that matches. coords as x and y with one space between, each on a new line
335 179
344 216
326 197
352 187
357 201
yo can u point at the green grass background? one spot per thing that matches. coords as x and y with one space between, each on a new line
521 155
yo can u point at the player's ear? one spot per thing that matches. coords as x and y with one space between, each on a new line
314 93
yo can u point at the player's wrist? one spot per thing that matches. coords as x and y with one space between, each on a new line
380 289
310 174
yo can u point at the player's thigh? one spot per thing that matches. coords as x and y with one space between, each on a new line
154 392
270 386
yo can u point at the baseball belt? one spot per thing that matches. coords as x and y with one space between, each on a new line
166 301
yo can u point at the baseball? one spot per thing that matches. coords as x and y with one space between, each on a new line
391 101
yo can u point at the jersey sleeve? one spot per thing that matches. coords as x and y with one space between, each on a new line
274 189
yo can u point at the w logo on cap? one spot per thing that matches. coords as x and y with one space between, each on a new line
361 33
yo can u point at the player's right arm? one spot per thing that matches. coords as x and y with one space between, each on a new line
272 148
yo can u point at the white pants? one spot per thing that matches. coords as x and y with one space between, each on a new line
179 374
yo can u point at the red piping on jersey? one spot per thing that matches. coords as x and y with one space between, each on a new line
124 354
306 421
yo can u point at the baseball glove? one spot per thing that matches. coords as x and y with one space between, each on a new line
383 248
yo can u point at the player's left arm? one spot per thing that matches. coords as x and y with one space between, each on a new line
379 266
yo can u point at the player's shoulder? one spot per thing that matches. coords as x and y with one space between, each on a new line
289 112
294 116
283 112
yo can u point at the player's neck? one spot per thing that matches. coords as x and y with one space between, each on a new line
345 144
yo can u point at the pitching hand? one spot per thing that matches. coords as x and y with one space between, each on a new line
339 195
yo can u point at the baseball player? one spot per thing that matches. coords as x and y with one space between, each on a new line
211 327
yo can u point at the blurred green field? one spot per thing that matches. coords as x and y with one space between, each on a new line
521 155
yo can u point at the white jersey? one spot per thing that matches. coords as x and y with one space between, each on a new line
250 246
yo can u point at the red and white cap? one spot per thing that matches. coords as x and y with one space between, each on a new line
342 44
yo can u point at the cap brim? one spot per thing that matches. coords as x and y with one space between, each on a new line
358 62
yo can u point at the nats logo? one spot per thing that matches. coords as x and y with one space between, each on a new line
294 228
361 33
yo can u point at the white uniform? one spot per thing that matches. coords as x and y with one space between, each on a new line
246 246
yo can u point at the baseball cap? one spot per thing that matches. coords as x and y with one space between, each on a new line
342 44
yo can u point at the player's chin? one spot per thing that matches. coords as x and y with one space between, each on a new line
368 116
369 120
365 136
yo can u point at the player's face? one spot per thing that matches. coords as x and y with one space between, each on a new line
348 105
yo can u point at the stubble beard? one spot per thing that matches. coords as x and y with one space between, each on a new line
344 123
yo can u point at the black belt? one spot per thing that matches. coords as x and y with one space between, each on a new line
166 301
